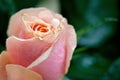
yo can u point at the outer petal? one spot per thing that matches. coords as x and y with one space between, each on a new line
53 67
3 61
71 42
24 52
16 72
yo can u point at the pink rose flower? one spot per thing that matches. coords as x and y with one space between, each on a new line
41 41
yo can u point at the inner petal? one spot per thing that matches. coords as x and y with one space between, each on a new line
40 27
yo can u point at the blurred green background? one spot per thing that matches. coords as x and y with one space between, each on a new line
96 23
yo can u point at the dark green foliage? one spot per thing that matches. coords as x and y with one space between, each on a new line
88 67
97 31
113 72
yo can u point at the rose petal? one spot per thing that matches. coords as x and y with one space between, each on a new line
3 61
25 51
16 72
41 58
70 45
53 67
46 15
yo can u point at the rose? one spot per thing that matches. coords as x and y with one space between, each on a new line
42 41
39 40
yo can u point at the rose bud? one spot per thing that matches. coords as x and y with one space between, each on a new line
40 41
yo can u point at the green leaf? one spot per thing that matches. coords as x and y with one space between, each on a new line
94 25
88 67
97 33
113 72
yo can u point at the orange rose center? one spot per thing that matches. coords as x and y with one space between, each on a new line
40 27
